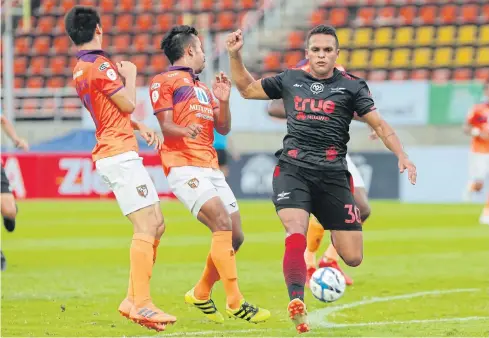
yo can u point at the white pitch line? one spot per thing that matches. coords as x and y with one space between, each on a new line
414 321
202 333
319 317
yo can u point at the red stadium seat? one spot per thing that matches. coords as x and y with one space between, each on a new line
145 22
296 40
37 66
272 61
338 17
448 13
164 22
167 4
318 17
470 13
462 74
142 43
366 15
124 23
420 74
58 65
407 14
292 58
428 14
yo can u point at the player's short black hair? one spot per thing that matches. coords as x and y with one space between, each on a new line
323 29
176 40
80 24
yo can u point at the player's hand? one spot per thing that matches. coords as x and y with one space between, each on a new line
21 144
234 42
151 138
405 163
193 129
221 87
127 69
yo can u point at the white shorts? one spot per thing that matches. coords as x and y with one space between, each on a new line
194 186
127 177
355 174
478 166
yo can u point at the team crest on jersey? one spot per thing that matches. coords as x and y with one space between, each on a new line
111 74
155 85
202 95
193 183
142 190
104 66
317 88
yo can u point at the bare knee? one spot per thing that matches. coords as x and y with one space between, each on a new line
222 221
160 228
478 186
295 222
353 260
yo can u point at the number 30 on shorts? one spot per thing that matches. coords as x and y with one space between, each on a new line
354 214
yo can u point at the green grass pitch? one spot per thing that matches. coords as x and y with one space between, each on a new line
425 273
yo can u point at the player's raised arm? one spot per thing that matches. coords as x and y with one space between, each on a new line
125 98
248 87
222 114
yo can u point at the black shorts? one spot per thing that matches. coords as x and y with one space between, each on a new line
5 184
327 195
222 156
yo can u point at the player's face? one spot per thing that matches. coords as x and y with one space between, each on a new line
322 54
198 56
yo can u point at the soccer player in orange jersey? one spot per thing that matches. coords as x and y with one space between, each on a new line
110 102
477 125
188 113
315 232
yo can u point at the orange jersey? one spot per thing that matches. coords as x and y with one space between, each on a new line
180 90
96 79
478 118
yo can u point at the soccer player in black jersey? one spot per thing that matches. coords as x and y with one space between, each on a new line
311 175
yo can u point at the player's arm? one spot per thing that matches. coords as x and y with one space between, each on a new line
248 87
148 134
109 82
276 109
9 129
221 88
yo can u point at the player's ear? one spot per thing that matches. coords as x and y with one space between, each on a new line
98 30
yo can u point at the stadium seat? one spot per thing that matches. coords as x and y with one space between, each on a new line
62 44
428 14
35 82
483 56
466 34
398 75
359 59
464 56
226 21
226 4
207 5
360 73
164 22
482 74
443 57
386 15
30 106
424 35
483 35
120 42
67 5
420 74
19 82
20 65
403 36
57 65
45 24
422 58
383 37
401 58
366 16
145 5
124 23
248 4
318 17
362 37
41 46
48 6
485 13
377 75
22 45
56 82
144 22
463 74
440 75
141 61
107 20
296 40
159 63
292 58
125 5
167 5
445 35
343 58
344 35
470 12
142 43
338 17
380 58
407 14
448 14
107 6
272 61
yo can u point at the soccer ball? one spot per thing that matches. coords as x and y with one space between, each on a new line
327 284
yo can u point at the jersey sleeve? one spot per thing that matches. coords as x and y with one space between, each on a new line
363 100
161 94
273 85
475 118
106 78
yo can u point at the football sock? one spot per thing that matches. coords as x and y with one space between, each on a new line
223 256
331 254
141 255
209 277
294 266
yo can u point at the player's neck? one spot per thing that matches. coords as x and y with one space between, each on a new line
92 45
182 63
322 77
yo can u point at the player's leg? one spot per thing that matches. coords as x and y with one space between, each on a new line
8 205
194 187
222 158
138 200
476 175
292 199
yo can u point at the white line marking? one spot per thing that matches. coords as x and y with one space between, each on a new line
319 317
202 333
414 321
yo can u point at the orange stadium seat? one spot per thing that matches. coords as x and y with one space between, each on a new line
157 42
35 82
248 4
67 5
366 15
318 17
207 5
45 25
167 4
407 14
62 43
420 74
107 6
296 40
19 82
20 65
41 45
107 20
338 17
164 22
462 74
22 45
226 20
48 5
145 5
37 66
377 75
144 22
428 14
159 62
292 58
448 13
440 75
485 13
386 15
398 75
142 43
271 61
470 13
124 23
57 65
226 4
56 82
126 5
140 61
482 74
120 43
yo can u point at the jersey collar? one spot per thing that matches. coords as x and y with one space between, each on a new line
184 69
94 52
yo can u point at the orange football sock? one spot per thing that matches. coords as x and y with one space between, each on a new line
223 256
141 256
331 254
315 235
130 288
209 277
